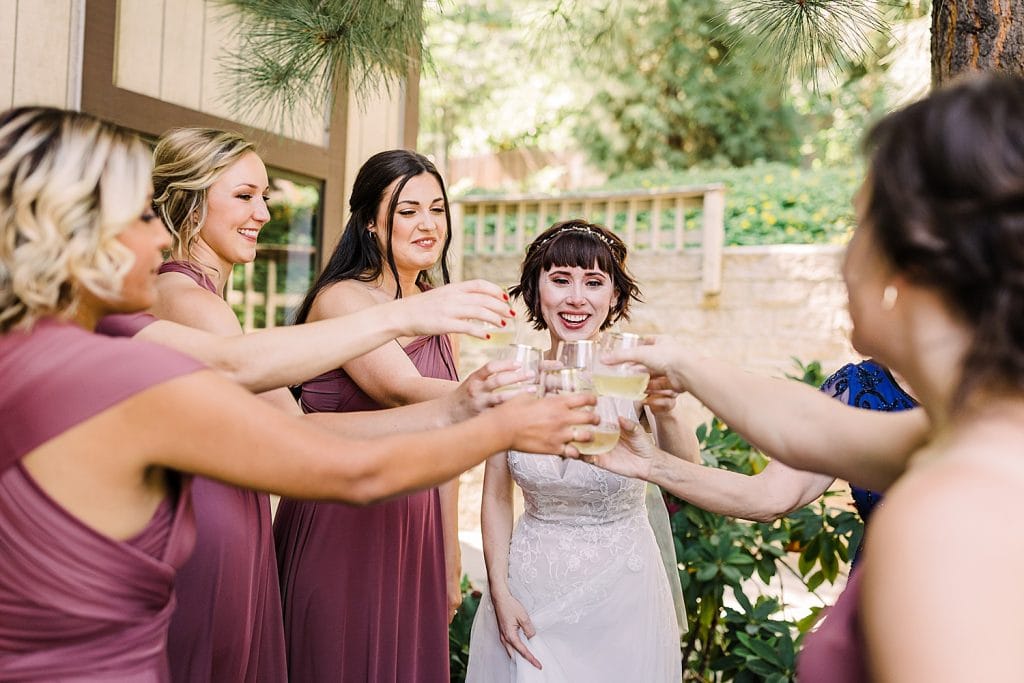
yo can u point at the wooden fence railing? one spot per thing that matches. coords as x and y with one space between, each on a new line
261 292
664 220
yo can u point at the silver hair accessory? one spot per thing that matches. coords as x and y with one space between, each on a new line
576 227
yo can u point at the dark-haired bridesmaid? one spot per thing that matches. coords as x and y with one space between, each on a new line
368 592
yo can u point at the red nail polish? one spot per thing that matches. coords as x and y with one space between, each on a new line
504 296
511 313
487 337
503 323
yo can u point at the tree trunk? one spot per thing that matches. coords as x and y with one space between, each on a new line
976 35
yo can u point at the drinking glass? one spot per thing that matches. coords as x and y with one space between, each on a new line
577 354
605 435
528 358
502 336
624 380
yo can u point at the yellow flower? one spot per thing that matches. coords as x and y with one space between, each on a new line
769 218
803 198
744 224
769 179
752 211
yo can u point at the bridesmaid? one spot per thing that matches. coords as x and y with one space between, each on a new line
94 514
365 590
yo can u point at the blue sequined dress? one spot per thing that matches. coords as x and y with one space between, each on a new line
867 385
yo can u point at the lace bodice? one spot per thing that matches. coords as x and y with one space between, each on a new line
574 492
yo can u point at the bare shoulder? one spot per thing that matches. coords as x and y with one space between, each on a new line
344 297
935 499
943 551
182 301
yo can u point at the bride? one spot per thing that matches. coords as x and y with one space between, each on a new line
578 590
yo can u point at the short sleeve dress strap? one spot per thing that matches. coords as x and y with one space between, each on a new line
57 375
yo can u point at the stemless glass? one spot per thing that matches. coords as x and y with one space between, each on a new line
606 434
528 358
625 380
577 354
502 336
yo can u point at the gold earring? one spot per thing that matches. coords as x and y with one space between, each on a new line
889 296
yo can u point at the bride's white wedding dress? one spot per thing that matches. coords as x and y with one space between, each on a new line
584 563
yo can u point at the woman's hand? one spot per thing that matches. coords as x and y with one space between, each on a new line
547 425
633 456
661 397
663 358
460 308
480 390
512 618
454 593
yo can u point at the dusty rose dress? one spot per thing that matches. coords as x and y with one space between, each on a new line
835 652
227 627
76 605
364 588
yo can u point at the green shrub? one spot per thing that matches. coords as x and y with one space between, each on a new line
769 203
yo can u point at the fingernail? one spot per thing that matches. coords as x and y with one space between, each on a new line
487 336
504 296
511 313
503 323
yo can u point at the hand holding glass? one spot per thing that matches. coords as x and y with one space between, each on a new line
527 358
606 434
624 380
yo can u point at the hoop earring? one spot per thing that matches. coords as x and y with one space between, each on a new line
889 296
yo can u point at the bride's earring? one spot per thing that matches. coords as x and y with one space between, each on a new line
889 296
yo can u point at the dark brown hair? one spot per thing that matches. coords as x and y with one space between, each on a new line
357 255
583 245
945 198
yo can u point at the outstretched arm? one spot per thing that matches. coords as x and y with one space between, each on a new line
281 356
791 421
772 493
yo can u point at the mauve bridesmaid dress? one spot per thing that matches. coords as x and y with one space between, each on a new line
364 588
227 628
76 605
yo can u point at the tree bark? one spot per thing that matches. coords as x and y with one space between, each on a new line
976 35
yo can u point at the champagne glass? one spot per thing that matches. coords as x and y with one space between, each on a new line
577 354
605 435
502 335
528 358
566 381
624 380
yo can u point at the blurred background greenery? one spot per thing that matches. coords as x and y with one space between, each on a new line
653 93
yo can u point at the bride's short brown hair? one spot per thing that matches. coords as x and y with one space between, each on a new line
576 243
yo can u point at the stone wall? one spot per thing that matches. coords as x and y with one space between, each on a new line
776 303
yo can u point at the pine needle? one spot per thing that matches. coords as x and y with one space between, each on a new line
294 56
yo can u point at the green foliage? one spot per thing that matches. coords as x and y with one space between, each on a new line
769 203
719 556
293 56
459 630
803 36
484 88
673 92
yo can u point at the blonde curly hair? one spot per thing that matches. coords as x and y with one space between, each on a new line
186 162
69 184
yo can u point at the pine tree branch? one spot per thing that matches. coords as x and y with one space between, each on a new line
293 56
